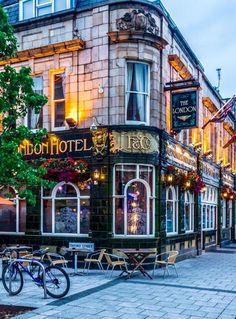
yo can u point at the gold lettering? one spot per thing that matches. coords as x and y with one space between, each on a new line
70 145
38 149
62 146
145 142
77 144
85 146
30 149
45 148
54 145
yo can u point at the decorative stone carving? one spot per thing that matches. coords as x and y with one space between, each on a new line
137 20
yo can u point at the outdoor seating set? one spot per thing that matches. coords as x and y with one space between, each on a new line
127 260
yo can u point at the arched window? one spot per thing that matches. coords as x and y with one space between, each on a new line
133 200
66 210
171 210
12 217
188 211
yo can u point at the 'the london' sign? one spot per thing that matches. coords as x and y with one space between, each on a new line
184 110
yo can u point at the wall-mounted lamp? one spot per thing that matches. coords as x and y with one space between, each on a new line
98 176
70 122
94 125
197 147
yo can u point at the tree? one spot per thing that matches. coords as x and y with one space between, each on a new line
16 97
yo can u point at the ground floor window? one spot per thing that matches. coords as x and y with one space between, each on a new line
188 211
171 210
133 194
209 208
12 217
66 210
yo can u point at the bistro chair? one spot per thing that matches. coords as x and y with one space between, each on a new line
114 261
56 260
168 261
91 258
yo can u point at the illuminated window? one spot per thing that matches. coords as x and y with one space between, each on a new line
66 210
137 93
35 8
58 100
171 210
12 217
35 120
134 200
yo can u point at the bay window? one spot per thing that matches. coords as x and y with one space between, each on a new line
209 208
133 198
137 93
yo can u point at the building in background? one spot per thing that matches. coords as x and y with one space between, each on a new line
127 100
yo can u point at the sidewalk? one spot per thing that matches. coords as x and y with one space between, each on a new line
205 288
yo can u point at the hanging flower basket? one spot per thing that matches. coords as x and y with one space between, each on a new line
189 181
227 193
67 170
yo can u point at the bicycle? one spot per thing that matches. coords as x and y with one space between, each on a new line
57 282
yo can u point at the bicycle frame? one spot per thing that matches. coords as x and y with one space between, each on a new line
19 262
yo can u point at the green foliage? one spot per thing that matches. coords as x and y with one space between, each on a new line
16 97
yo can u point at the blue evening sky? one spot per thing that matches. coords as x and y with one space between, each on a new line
209 26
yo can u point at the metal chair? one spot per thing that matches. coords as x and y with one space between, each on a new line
168 261
91 259
119 261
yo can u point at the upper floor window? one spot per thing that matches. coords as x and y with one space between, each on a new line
35 8
58 100
35 120
137 93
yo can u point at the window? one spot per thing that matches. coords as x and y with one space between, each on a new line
12 218
35 8
171 210
133 200
66 210
34 120
209 208
58 102
137 93
188 211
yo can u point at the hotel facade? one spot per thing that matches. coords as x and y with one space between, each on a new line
128 97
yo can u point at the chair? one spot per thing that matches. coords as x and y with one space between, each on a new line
56 259
168 261
91 258
119 261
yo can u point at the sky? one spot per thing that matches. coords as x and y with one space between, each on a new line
209 27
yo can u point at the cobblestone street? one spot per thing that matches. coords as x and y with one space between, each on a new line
205 288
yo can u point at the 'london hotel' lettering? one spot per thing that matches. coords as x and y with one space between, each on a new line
56 146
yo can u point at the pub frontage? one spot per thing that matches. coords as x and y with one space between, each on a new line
134 157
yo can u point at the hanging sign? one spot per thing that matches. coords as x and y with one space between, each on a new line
184 110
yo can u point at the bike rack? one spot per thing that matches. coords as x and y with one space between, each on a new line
30 261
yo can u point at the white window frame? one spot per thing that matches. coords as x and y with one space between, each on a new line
224 214
16 200
36 6
144 93
53 198
190 202
27 116
150 197
175 203
53 110
209 200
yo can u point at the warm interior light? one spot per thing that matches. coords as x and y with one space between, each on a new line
169 178
96 174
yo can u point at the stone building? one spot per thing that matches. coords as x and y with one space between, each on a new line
112 71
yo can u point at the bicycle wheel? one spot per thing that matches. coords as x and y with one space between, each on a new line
13 272
57 282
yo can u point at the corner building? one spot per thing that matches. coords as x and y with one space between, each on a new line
110 70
